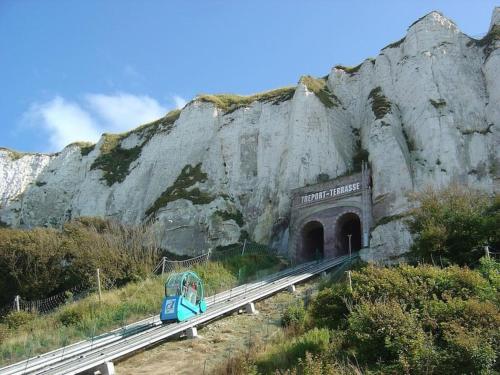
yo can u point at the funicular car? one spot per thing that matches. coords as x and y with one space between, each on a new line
183 297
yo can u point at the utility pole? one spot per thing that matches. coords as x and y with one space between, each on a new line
99 285
163 267
244 246
349 236
16 303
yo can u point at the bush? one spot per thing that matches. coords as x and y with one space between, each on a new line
385 332
70 317
16 319
329 308
294 315
453 225
41 262
415 319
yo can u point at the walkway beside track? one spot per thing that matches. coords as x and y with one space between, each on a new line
89 354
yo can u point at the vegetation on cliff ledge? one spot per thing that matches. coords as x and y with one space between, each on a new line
114 160
229 103
319 87
351 70
488 41
180 189
380 104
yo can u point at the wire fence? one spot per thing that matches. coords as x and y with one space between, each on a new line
165 266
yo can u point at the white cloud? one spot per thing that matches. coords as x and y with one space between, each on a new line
124 111
66 121
180 102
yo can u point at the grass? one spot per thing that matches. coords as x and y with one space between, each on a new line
85 147
351 70
87 317
114 160
188 177
395 44
380 104
229 103
14 155
320 89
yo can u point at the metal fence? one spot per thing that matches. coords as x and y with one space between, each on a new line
46 305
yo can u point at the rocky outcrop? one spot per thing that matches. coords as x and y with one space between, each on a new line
425 112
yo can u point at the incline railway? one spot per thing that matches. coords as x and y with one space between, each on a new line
98 354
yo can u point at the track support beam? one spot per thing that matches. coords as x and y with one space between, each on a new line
107 368
250 308
192 333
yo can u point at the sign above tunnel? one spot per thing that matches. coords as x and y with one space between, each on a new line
330 193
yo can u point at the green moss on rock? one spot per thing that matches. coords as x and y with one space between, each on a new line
438 103
114 160
320 89
380 104
229 103
236 215
188 177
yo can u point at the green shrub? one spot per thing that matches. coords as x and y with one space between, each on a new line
70 316
67 258
453 225
294 315
385 332
16 319
329 308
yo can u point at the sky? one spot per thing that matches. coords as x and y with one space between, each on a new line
71 70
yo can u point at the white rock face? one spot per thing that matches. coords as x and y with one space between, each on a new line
441 125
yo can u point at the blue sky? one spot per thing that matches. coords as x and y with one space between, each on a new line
70 70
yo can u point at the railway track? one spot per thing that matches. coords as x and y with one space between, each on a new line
89 354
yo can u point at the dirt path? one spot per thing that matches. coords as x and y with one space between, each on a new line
217 342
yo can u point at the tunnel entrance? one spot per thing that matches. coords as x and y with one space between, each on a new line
313 241
349 225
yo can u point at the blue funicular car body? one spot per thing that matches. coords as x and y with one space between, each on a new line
183 297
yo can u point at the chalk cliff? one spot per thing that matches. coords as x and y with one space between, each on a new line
425 111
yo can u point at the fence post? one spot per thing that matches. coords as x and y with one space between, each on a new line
487 252
16 303
163 267
99 285
350 280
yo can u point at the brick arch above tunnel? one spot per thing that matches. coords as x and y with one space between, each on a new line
329 220
342 207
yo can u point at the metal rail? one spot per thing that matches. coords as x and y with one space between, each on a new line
85 355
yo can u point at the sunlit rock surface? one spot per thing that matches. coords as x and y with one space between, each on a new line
426 110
